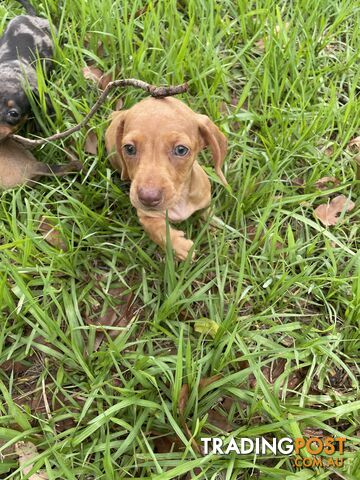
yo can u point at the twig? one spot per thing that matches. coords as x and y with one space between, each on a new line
154 91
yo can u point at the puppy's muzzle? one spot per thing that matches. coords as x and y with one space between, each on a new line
150 196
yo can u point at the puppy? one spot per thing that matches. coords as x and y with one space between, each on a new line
26 38
19 166
154 145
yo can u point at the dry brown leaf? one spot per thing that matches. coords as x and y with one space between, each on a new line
105 80
313 432
170 443
91 143
52 236
287 341
251 231
194 473
143 10
118 316
27 452
224 108
322 183
100 49
190 436
260 44
7 452
328 151
218 420
354 144
332 47
295 378
274 371
92 73
329 213
100 52
227 108
16 368
183 398
298 182
119 104
204 382
114 317
242 364
227 403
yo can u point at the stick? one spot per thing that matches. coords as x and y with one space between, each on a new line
154 91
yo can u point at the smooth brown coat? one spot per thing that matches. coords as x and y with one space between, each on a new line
19 166
161 179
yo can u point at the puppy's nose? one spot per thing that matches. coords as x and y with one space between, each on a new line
149 196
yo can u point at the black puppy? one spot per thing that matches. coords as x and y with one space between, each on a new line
26 39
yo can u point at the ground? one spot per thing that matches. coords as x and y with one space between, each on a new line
117 359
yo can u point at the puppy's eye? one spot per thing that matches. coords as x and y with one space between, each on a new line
129 149
180 150
13 115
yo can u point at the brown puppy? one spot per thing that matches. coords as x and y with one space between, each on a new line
18 166
154 145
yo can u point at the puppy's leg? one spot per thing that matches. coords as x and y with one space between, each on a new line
155 227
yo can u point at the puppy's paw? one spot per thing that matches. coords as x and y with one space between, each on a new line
181 245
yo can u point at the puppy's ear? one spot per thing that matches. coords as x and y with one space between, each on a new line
113 142
211 136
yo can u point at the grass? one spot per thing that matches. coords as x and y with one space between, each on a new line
270 308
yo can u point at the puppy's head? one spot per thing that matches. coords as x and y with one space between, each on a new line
14 108
157 142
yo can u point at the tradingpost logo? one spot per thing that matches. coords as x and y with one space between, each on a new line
311 452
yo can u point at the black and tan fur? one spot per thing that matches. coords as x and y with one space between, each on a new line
26 39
